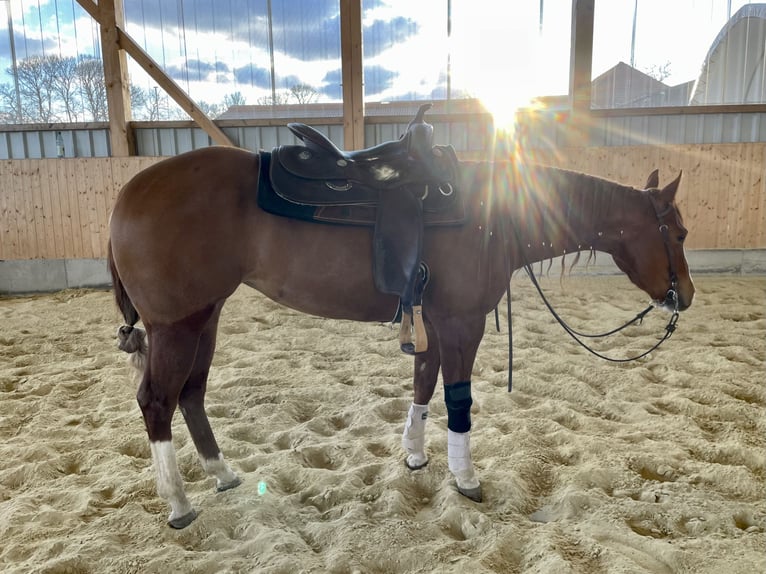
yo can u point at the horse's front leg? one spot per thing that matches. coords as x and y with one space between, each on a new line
459 339
424 383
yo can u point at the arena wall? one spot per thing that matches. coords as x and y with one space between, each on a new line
55 212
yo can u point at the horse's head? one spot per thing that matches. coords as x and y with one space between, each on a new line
651 250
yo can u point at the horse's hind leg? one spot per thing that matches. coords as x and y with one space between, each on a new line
171 355
192 405
424 382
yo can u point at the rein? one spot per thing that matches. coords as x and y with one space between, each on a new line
671 298
669 328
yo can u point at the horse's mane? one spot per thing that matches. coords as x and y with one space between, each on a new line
597 193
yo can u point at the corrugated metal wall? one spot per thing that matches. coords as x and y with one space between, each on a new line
545 130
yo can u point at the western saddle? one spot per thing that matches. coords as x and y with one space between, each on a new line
397 187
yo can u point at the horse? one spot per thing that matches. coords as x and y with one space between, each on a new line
186 232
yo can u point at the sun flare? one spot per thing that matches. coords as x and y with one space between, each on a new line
508 62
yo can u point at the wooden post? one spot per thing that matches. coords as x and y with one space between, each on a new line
352 74
580 71
111 18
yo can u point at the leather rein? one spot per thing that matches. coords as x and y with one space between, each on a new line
671 299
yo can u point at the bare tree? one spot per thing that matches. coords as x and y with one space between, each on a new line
275 99
139 99
304 93
9 114
55 88
658 71
64 86
36 89
234 99
210 110
153 103
90 75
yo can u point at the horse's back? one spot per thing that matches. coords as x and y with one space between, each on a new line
192 175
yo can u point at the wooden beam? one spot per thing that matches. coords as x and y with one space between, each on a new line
91 8
580 70
352 74
115 42
110 18
173 90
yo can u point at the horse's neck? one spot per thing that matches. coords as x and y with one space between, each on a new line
556 211
578 212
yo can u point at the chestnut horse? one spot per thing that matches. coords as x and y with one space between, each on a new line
186 232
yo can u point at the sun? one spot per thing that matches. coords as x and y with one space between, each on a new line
507 62
500 78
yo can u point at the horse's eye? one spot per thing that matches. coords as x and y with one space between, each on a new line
681 238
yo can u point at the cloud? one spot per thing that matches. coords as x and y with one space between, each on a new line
377 79
332 84
307 30
222 40
382 33
253 75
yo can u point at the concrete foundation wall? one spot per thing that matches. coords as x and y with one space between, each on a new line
48 275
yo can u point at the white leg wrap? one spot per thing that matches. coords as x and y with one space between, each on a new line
459 459
217 467
414 435
170 485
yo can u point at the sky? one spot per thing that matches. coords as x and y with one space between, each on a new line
499 50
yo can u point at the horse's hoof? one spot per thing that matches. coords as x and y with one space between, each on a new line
228 485
415 466
472 493
183 521
408 348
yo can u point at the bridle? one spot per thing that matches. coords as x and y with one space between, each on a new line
672 295
670 301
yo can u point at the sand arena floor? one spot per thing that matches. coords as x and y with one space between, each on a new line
653 467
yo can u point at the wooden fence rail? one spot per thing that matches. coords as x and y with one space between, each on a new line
59 208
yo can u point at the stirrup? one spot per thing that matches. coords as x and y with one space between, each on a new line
405 332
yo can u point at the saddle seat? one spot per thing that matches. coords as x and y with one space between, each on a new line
398 180
359 177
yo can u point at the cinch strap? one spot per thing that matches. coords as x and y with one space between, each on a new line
457 396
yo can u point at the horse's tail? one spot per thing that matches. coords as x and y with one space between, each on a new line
130 338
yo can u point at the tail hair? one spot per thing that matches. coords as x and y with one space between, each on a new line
130 338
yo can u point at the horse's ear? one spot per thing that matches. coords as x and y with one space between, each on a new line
668 193
653 180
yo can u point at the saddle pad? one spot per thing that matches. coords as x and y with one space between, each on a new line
439 209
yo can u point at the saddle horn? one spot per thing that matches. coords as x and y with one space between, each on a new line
418 119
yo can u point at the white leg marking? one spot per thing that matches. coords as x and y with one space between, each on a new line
217 467
414 436
170 485
459 459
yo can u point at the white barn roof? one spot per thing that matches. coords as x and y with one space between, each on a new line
734 71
